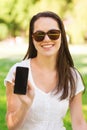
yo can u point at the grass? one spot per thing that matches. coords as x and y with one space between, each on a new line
6 63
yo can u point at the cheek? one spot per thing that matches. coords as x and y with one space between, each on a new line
58 42
35 44
58 45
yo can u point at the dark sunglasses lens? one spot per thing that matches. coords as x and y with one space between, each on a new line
54 34
39 36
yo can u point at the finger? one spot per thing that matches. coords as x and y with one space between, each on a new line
24 100
13 80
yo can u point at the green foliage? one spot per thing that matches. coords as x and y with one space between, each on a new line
15 14
3 31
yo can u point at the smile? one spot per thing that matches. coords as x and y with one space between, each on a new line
47 45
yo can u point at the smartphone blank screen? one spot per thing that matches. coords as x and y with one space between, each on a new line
21 79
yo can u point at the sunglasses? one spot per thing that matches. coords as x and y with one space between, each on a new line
52 34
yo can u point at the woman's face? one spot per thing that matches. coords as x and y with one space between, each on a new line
47 46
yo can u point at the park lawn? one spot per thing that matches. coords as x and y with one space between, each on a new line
5 64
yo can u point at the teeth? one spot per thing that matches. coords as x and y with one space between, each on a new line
47 46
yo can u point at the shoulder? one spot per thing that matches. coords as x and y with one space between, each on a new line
78 80
11 72
76 74
24 63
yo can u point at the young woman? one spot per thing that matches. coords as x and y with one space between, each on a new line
54 85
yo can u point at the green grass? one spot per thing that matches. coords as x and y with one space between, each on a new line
5 64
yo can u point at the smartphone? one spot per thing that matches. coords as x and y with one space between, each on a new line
21 79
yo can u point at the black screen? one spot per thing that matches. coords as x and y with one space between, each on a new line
21 79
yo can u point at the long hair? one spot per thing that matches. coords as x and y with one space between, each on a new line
64 61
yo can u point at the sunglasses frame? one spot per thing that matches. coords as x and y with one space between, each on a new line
40 37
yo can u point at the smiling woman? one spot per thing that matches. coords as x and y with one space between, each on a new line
46 39
53 86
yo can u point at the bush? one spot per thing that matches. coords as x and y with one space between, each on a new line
3 31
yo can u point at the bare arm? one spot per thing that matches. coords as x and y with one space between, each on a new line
17 106
78 121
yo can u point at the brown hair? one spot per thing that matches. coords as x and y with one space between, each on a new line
64 62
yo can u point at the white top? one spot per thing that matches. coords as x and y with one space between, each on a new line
47 111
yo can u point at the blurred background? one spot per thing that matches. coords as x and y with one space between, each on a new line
15 16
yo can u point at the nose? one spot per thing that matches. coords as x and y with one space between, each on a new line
46 38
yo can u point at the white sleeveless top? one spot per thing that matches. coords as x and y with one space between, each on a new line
47 111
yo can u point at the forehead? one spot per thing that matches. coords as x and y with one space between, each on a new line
45 23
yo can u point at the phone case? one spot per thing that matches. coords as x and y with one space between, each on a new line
21 80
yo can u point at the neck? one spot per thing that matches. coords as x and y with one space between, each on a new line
46 62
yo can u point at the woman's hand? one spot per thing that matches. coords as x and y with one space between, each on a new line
17 105
28 98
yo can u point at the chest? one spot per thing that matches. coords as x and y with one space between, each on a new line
44 80
48 107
